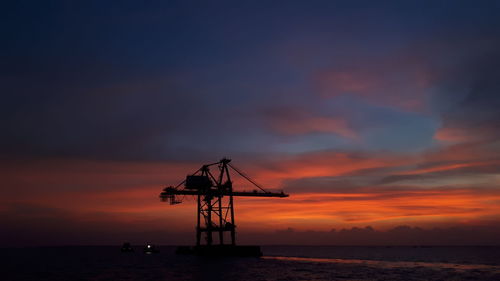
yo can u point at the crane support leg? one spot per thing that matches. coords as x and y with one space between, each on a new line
221 228
209 219
198 226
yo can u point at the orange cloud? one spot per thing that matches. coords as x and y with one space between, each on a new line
382 209
319 164
128 193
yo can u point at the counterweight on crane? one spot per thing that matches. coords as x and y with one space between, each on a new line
214 193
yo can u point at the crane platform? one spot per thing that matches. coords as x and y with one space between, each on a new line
220 250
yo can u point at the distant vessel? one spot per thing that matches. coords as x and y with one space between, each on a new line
127 248
150 249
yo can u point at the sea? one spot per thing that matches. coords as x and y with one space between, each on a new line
78 263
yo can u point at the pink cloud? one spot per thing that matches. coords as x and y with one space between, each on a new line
301 125
405 89
452 135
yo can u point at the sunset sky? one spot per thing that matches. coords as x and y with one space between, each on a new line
376 117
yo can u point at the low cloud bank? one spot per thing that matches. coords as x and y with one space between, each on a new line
400 235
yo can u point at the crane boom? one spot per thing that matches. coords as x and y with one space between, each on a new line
169 191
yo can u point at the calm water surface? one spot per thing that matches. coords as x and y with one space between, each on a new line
278 263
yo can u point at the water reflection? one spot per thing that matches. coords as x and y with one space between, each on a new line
391 264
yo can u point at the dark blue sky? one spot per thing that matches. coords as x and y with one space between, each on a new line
121 79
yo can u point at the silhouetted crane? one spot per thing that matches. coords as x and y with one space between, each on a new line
215 199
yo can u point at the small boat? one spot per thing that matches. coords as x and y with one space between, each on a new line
150 249
127 248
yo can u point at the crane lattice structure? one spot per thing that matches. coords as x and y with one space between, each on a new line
214 194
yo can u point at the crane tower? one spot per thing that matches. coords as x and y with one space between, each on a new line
214 194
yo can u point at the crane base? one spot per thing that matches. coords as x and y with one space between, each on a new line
220 250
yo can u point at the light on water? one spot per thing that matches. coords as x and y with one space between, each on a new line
391 264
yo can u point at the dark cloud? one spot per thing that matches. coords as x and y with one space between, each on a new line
151 81
36 225
467 90
471 171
